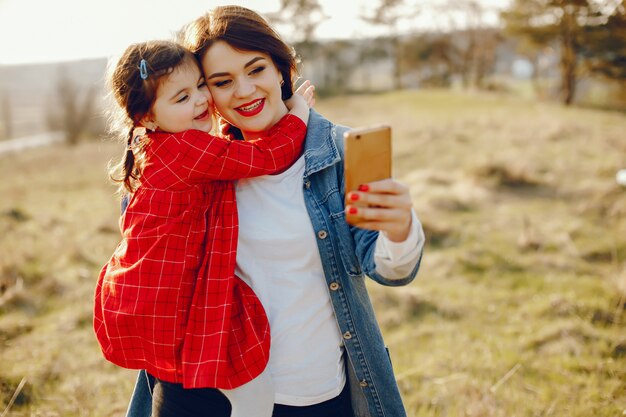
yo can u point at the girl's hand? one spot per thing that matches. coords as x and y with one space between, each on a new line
382 205
224 128
307 90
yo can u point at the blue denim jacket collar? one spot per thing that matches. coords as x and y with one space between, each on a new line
320 150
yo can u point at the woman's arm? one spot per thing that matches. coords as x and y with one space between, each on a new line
393 256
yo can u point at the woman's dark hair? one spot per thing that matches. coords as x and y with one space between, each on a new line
133 83
242 29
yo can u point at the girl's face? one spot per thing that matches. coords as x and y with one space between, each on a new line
182 102
245 86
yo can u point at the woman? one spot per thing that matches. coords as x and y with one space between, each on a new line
327 356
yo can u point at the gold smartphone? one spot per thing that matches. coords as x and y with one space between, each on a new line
367 155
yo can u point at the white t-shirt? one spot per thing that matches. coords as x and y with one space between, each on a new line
277 256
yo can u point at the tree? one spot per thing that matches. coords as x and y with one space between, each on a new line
338 67
436 55
566 23
474 40
304 16
7 116
605 50
389 13
68 114
370 52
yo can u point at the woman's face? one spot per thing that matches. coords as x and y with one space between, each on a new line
245 86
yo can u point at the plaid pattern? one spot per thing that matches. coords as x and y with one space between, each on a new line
168 300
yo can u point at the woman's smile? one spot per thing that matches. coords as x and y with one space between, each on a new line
246 88
252 108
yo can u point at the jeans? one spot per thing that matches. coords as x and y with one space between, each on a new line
172 400
212 403
141 400
339 406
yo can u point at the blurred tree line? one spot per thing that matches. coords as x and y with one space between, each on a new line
564 43
588 36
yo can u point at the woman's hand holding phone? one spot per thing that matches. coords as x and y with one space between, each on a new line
373 199
382 205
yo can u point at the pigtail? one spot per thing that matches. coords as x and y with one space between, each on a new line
126 171
133 82
130 172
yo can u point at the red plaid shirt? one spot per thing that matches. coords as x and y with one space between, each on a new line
168 300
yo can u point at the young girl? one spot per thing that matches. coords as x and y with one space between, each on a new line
168 300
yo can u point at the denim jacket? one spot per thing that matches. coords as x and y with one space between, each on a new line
347 257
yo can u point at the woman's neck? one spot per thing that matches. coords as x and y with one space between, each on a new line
248 135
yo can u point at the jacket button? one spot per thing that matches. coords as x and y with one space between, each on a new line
322 234
334 286
363 383
347 335
307 184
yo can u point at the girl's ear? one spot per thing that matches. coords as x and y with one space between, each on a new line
148 122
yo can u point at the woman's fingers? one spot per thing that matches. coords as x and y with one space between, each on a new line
402 201
382 205
388 186
395 223
384 217
386 193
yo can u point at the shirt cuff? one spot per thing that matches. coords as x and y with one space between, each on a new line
395 260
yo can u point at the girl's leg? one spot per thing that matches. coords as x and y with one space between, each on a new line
254 399
172 400
141 400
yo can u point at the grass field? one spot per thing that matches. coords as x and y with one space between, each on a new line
519 308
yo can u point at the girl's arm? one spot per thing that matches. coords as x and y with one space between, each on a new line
195 156
207 157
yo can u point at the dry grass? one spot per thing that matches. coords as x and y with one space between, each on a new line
519 309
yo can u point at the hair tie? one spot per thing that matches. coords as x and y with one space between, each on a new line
135 137
143 69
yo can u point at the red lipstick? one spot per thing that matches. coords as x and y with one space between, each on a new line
251 109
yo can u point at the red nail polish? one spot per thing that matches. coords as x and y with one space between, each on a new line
353 210
354 196
364 187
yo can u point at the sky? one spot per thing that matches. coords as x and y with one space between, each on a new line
61 30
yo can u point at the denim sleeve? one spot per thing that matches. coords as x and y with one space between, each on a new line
141 401
124 203
365 240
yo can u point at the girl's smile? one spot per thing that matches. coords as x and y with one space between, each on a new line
182 102
204 115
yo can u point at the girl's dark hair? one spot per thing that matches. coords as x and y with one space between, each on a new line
133 83
245 30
